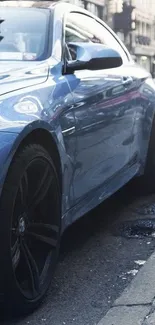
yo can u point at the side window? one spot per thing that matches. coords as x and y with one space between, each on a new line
82 28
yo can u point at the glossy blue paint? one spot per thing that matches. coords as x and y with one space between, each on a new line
104 127
99 120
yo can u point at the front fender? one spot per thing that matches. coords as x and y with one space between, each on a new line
55 133
7 141
9 144
49 107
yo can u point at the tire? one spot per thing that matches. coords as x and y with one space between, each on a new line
30 222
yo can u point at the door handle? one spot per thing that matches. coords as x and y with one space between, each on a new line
127 81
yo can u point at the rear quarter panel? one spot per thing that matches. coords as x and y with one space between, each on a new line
143 99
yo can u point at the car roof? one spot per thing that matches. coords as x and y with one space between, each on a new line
28 4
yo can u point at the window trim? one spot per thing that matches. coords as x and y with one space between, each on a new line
99 21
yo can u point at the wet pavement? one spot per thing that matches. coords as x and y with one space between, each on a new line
100 255
135 228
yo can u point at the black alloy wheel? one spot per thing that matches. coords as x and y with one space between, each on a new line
30 222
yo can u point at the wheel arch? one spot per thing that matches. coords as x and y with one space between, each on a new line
43 137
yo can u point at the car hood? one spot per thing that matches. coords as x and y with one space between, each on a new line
18 75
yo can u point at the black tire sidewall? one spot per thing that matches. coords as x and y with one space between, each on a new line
9 290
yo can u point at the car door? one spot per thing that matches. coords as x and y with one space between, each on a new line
103 111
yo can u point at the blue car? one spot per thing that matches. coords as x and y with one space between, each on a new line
77 122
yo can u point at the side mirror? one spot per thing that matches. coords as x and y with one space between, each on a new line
91 56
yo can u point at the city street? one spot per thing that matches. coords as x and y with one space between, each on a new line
98 260
77 123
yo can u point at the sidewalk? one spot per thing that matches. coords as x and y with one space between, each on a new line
136 305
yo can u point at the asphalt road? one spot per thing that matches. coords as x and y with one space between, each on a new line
96 264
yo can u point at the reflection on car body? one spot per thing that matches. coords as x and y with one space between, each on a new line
77 122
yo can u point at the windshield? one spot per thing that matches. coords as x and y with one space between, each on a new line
23 34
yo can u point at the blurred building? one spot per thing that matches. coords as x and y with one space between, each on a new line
113 6
141 42
97 7
144 35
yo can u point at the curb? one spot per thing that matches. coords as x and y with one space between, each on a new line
136 305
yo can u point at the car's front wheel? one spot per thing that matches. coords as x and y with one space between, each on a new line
29 229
